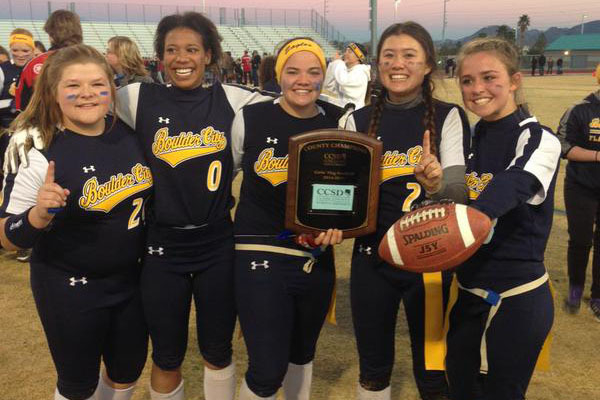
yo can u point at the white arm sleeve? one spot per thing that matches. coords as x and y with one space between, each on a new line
127 103
239 97
452 150
21 193
540 160
238 133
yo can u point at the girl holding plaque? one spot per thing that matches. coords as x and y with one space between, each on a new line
283 289
425 143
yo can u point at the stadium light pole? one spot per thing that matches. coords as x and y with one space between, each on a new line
444 22
373 11
396 2
583 17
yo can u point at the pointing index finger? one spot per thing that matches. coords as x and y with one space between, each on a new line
426 143
50 173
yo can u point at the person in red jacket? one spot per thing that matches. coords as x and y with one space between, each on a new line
246 67
64 29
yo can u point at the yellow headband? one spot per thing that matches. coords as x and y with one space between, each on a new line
358 52
294 47
20 38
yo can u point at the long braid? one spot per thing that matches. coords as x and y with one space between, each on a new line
377 111
429 118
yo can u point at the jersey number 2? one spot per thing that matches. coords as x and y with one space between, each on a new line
412 196
134 219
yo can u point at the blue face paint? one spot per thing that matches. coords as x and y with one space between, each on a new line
318 86
71 97
104 93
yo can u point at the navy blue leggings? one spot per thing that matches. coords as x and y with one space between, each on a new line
167 295
514 341
376 290
281 309
88 319
583 217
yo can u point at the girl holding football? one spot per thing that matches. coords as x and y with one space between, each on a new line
504 309
425 142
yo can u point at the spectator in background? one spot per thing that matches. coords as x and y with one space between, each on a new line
238 70
266 74
124 57
534 63
227 67
255 66
541 64
4 56
550 65
559 66
39 48
450 66
246 68
64 29
21 50
348 77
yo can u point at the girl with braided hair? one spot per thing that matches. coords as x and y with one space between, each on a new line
425 142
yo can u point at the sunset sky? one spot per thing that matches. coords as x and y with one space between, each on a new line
351 17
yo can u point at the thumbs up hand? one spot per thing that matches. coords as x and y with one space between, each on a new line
429 171
51 196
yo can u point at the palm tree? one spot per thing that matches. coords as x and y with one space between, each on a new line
523 24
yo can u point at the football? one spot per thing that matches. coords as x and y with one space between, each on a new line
435 238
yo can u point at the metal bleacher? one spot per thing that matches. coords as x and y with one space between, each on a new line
235 38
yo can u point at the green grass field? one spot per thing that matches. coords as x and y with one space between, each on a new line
27 373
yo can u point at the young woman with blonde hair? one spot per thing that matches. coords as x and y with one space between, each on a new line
124 57
504 309
78 204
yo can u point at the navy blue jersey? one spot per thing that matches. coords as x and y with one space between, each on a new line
511 175
401 131
580 126
186 135
9 75
99 232
260 135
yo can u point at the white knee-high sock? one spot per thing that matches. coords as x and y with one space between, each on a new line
364 394
297 381
105 392
219 384
247 394
176 394
58 396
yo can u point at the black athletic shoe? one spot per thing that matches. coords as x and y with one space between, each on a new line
573 300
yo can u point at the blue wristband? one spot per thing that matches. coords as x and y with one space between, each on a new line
20 232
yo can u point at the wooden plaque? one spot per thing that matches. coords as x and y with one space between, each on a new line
333 182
